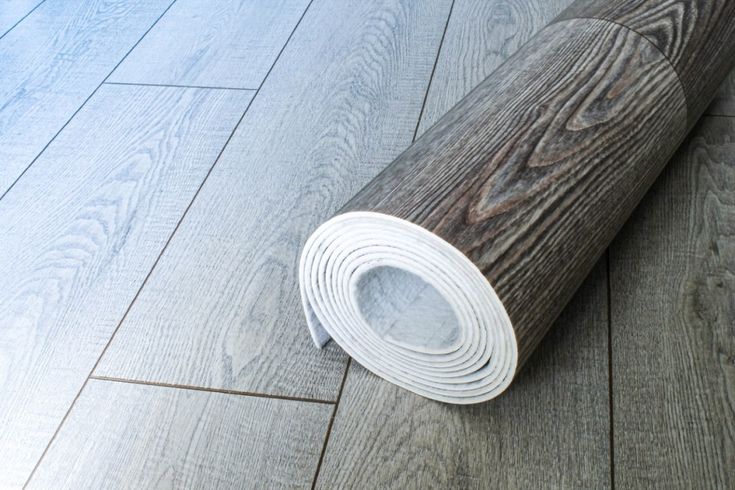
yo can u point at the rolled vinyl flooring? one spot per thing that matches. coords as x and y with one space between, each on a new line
444 273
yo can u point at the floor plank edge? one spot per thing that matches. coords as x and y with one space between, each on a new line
212 390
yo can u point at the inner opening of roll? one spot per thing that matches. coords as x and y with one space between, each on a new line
404 309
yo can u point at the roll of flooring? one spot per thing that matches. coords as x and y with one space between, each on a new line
443 274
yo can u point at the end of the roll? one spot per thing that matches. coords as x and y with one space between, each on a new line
408 306
318 334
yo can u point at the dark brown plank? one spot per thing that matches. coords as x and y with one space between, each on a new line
673 323
553 423
697 36
222 307
532 174
122 435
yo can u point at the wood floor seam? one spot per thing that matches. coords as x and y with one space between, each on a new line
53 138
415 134
211 390
71 406
433 71
140 84
331 424
610 375
21 19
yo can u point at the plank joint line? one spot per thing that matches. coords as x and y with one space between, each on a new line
349 361
211 390
21 19
53 138
138 84
173 233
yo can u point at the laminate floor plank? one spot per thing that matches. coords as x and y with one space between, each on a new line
222 308
53 61
80 232
121 435
673 322
553 423
222 43
12 11
724 103
550 430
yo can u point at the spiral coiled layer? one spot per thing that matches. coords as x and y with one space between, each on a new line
408 306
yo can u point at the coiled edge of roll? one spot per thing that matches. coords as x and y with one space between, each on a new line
481 361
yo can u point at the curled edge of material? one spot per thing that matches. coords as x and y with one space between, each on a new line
408 306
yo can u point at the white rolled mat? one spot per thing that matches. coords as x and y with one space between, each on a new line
408 306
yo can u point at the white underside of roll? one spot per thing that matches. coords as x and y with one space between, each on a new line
408 306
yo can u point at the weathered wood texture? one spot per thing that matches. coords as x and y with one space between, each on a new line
223 43
673 318
222 307
549 431
559 405
53 61
122 435
533 173
724 102
80 232
13 11
696 36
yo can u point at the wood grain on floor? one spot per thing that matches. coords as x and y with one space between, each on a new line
673 322
53 61
13 11
122 435
223 43
386 437
80 232
222 308
550 430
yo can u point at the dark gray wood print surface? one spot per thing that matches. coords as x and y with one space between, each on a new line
533 173
696 36
672 275
560 404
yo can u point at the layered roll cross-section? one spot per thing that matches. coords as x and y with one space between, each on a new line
408 306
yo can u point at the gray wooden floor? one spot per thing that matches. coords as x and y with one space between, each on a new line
162 162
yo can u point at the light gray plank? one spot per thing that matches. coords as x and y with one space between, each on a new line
12 11
53 61
551 430
222 43
122 435
80 232
673 323
222 307
724 103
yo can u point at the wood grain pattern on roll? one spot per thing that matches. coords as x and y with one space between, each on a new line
530 176
696 36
